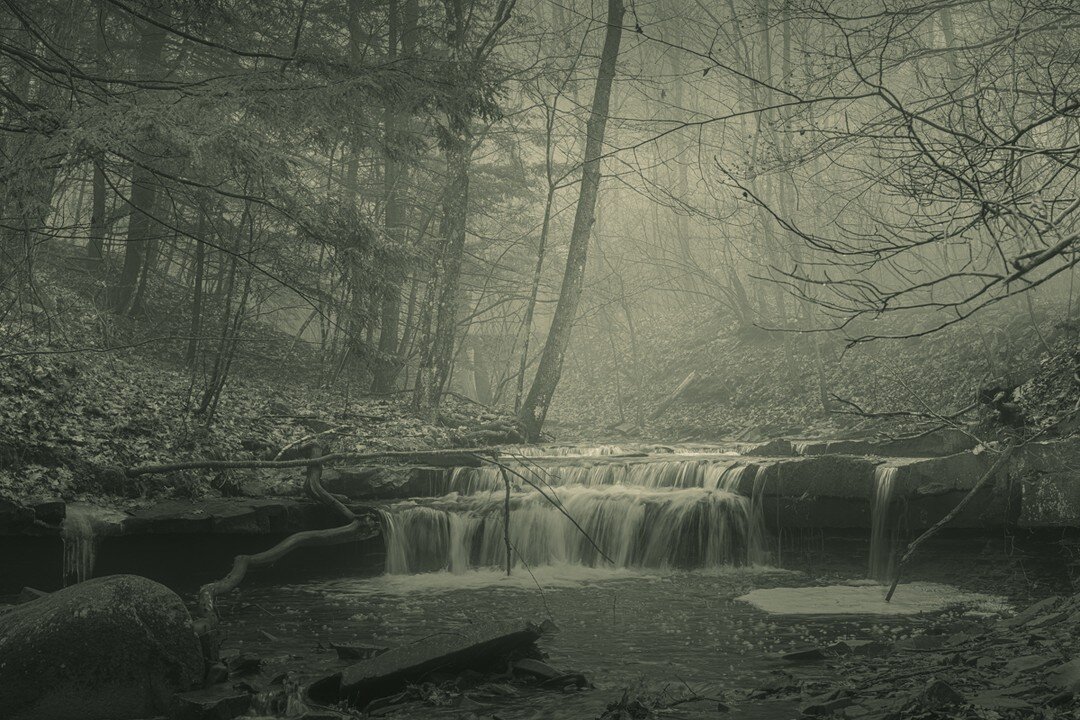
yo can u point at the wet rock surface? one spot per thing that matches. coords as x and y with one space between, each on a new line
232 516
111 648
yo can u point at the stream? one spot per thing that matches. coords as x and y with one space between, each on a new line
663 617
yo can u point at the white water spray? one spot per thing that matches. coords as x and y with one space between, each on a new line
882 523
687 512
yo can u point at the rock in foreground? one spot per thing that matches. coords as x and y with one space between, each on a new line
477 648
110 648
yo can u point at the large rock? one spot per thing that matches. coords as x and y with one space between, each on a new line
107 649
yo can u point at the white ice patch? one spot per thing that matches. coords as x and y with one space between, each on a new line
909 599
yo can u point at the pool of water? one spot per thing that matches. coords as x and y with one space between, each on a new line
650 632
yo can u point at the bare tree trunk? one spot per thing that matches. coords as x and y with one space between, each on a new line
438 354
402 25
143 189
534 291
95 247
197 291
534 411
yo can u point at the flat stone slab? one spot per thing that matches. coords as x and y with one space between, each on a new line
449 651
936 444
835 476
247 516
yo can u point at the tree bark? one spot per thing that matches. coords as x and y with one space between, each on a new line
534 410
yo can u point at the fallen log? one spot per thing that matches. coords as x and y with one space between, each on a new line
483 648
438 458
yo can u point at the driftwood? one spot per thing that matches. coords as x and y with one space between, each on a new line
350 532
914 544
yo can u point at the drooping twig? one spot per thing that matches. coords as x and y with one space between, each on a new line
932 530
554 503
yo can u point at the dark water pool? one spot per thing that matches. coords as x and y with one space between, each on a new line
648 632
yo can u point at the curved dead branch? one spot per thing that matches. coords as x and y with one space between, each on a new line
349 532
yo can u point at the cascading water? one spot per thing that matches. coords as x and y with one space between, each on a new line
80 545
882 523
654 514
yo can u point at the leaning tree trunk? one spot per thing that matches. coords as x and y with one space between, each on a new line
534 410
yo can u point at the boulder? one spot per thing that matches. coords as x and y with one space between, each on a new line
111 648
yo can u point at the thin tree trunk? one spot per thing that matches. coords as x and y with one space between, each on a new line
437 356
197 292
534 411
143 188
389 365
95 247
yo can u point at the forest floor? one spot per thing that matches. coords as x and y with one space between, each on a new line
755 385
63 414
84 389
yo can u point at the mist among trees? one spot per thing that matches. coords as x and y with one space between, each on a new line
422 198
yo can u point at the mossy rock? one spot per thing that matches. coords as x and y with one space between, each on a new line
111 648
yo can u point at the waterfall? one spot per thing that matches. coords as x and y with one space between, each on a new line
80 545
652 514
882 523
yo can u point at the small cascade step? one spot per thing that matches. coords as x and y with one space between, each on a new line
635 526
